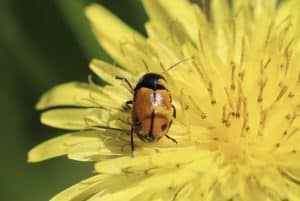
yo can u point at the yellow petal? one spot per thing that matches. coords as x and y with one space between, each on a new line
166 25
82 190
83 118
291 179
182 10
59 145
126 194
49 149
84 95
92 151
160 22
140 163
273 181
72 93
109 72
73 119
112 33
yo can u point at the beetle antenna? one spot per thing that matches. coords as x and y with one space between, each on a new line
176 64
146 66
126 81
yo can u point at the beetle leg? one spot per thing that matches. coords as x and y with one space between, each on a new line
170 124
174 111
127 82
127 104
170 138
131 142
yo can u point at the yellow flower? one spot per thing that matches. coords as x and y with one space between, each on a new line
237 99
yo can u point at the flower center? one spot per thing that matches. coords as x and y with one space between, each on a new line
231 140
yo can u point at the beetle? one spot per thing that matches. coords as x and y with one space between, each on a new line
152 108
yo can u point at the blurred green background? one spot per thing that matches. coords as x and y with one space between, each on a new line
42 44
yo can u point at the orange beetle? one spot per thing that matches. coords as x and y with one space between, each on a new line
152 109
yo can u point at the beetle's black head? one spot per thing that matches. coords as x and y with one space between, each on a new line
152 81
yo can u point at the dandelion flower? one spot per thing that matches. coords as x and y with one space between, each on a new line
237 99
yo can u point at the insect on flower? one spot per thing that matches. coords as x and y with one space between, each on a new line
152 108
237 105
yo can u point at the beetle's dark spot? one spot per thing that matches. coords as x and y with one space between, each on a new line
137 123
164 127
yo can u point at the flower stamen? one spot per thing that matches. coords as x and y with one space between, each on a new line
283 90
201 74
263 118
202 114
233 67
242 52
269 33
211 93
261 89
229 99
201 44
